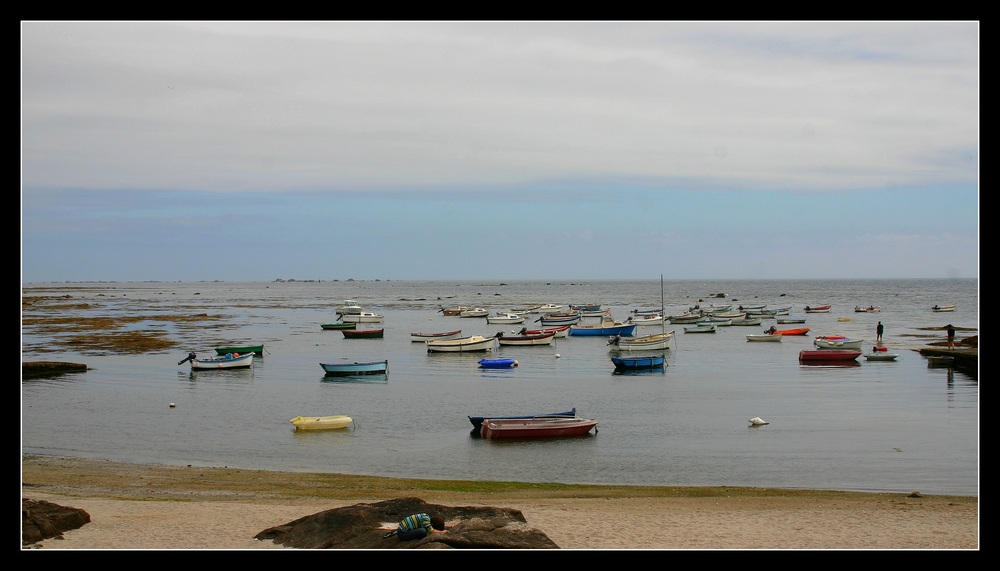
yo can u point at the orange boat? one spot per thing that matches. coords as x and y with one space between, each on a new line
797 331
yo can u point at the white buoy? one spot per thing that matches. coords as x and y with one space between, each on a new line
757 421
558 355
172 405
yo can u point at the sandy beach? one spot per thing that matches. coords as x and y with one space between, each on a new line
143 507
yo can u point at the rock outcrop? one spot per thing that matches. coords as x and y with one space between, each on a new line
363 526
44 520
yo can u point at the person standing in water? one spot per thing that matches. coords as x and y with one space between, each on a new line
878 332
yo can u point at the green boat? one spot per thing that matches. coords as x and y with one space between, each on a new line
257 350
339 325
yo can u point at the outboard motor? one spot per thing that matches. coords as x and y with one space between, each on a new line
190 357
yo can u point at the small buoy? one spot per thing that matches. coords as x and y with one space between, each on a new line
515 362
558 355
172 405
757 421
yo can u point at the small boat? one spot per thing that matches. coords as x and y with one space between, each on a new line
829 355
795 331
700 328
559 319
560 332
356 368
881 356
949 307
456 310
651 319
256 349
536 427
350 307
748 320
940 360
505 318
646 311
607 326
684 318
714 321
497 363
765 337
549 308
632 362
461 344
653 342
474 312
363 333
363 317
321 422
338 326
227 361
723 315
586 307
442 336
790 320
818 308
477 421
869 309
537 339
843 343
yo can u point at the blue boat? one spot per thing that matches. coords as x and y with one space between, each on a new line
633 362
497 363
607 326
477 421
355 368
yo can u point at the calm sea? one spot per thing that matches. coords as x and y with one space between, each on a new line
874 426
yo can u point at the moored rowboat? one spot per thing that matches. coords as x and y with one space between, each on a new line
443 336
321 422
477 421
536 427
356 368
228 361
461 344
257 349
829 355
363 333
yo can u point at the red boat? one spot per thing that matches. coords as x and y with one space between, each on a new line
536 339
797 331
363 333
536 427
818 308
829 355
559 331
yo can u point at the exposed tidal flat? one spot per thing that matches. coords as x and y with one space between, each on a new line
886 427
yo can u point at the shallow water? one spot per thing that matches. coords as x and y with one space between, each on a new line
874 426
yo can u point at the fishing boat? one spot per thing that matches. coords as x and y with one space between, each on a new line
700 328
363 333
338 326
227 361
948 307
497 363
258 350
350 307
560 332
461 344
607 326
442 336
813 355
493 428
363 317
526 340
632 362
765 338
505 318
322 422
818 308
477 421
356 368
843 343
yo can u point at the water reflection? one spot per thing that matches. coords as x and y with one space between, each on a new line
377 378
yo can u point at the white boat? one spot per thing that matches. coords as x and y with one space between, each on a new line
363 317
765 337
505 318
657 341
321 422
710 319
461 345
748 321
442 336
560 332
228 361
559 319
700 328
530 340
838 343
475 312
642 320
949 307
350 307
881 356
550 308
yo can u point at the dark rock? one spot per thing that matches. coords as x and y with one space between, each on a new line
362 526
39 369
43 520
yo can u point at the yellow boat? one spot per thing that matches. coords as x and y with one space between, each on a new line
321 422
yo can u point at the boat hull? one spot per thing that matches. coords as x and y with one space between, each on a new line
338 326
645 343
477 421
637 362
881 357
764 338
321 422
560 332
493 428
363 333
350 369
257 349
443 336
527 340
497 363
821 355
461 345
241 362
854 344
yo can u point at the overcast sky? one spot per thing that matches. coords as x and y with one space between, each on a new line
253 151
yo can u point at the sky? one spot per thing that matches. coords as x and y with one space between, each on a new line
512 150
